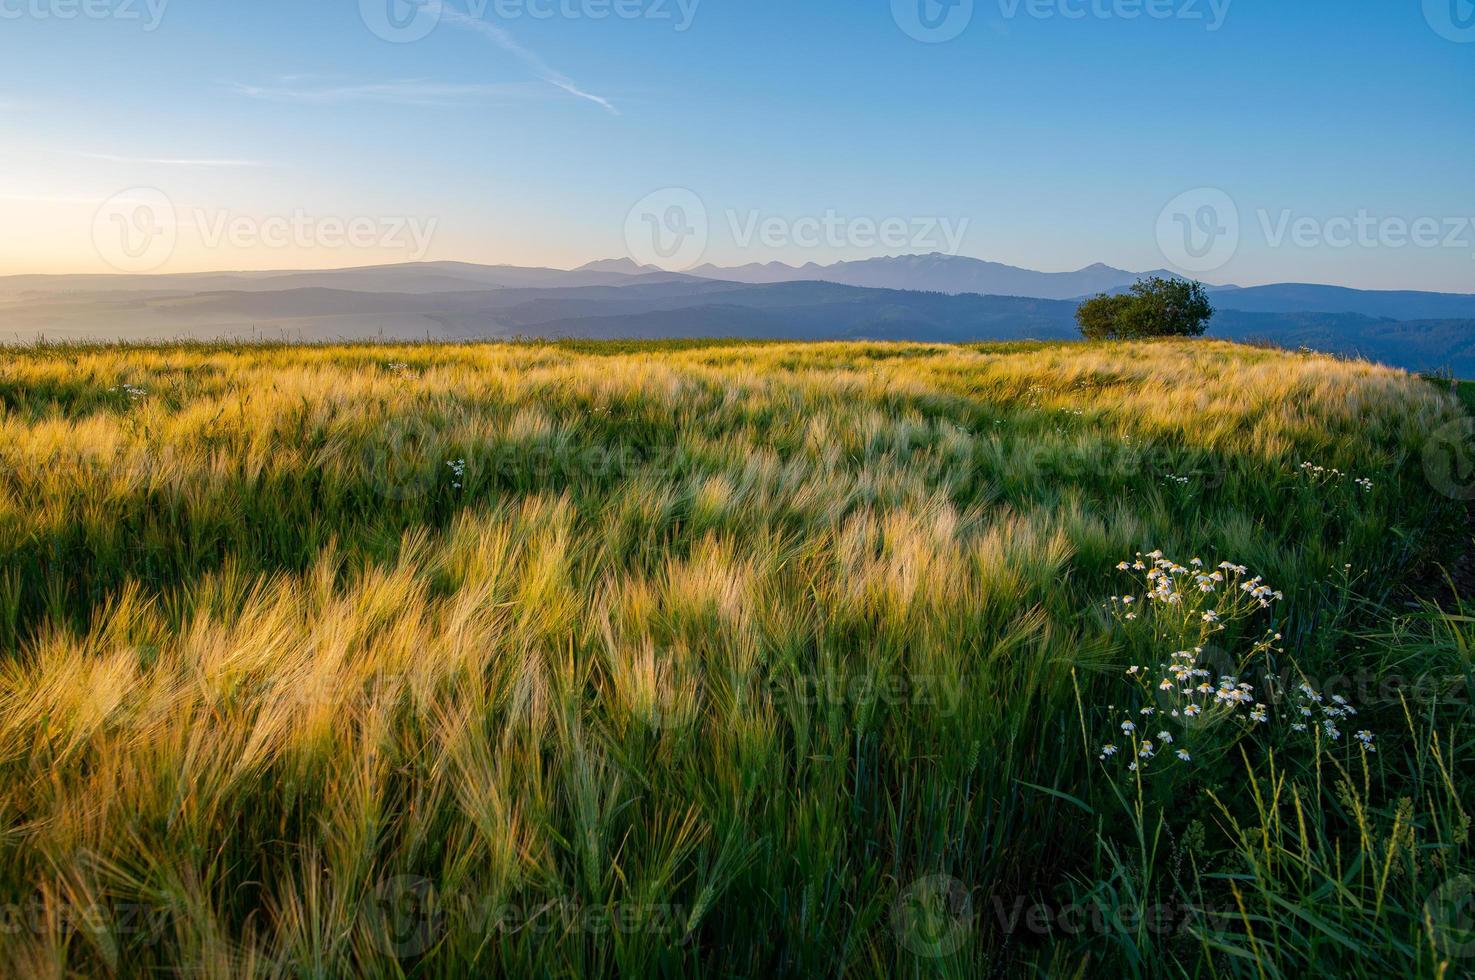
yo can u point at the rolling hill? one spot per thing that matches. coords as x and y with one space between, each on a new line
618 299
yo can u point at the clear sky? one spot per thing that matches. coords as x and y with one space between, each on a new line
1338 135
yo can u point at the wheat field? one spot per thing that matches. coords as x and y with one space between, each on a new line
726 659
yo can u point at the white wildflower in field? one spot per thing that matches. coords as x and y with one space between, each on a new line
1309 703
1327 477
1183 689
134 392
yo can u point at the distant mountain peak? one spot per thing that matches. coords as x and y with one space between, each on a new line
939 272
626 267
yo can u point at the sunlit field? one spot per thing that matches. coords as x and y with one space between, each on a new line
729 660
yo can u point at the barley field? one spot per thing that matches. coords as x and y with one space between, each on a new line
675 660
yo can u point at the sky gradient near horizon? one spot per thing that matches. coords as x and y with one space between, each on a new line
1241 141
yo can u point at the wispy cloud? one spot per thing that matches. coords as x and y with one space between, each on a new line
500 37
403 92
53 198
168 161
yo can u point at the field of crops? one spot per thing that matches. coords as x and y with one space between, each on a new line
734 660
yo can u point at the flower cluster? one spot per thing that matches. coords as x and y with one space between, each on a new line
401 369
458 473
1187 603
1168 582
1333 475
1187 693
133 392
1326 715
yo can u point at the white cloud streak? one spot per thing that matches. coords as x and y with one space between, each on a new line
168 161
500 37
402 92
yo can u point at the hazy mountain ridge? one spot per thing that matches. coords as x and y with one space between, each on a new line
939 273
617 298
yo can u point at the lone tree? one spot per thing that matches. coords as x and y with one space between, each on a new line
1155 307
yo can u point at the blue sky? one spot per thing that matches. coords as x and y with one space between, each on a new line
1047 133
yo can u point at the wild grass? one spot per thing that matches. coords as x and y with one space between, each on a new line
695 659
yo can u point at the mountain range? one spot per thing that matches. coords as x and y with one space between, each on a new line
941 274
934 298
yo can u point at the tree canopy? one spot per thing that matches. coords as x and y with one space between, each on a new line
1155 307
